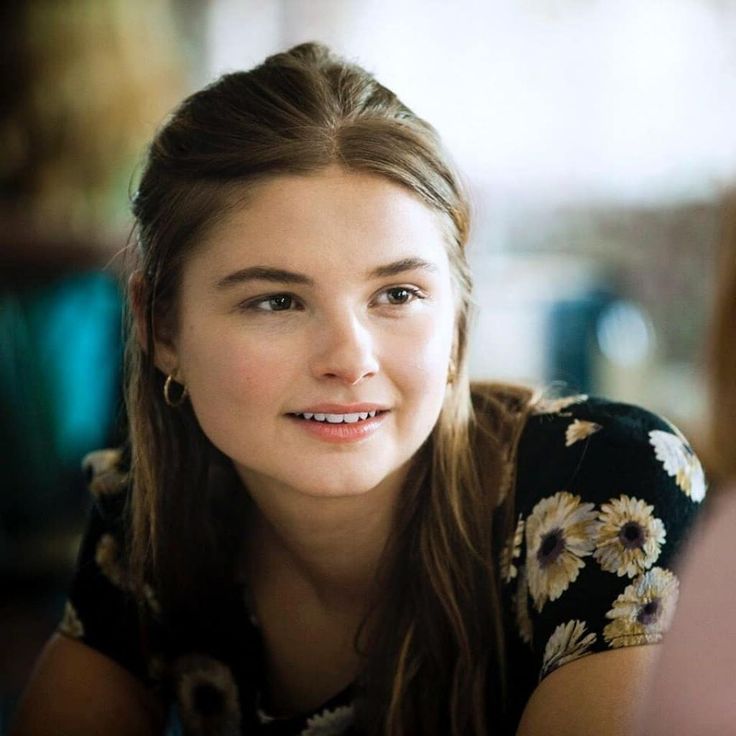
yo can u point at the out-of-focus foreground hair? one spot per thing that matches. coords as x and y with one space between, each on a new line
722 358
435 643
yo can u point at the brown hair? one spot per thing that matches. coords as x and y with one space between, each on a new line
437 628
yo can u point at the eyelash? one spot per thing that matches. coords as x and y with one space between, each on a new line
413 291
255 305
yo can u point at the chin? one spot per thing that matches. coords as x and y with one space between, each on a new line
334 489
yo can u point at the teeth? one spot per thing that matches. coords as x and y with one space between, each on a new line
339 418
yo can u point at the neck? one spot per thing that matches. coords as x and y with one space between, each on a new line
330 547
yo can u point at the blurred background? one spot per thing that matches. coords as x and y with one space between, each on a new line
596 139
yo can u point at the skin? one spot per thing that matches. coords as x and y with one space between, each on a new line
252 351
692 690
348 326
76 691
600 694
248 362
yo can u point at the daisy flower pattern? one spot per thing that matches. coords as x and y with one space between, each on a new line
555 406
568 642
329 722
70 623
560 532
629 537
680 462
149 595
524 625
510 553
107 557
207 696
643 612
579 430
600 497
101 469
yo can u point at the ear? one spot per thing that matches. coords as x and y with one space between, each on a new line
165 355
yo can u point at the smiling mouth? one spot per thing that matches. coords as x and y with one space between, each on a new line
352 418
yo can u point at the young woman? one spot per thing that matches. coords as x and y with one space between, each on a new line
318 526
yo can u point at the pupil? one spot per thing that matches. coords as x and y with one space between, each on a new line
281 302
399 295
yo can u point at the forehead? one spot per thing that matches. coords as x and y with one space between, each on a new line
328 218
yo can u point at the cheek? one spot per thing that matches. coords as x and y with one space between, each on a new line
425 354
224 366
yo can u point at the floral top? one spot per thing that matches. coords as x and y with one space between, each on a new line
605 494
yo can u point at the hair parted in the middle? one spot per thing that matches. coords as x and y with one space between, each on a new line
432 643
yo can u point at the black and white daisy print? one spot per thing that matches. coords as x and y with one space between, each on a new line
560 532
569 641
102 470
71 624
579 430
556 406
629 538
524 624
680 462
511 552
330 722
643 612
108 559
207 697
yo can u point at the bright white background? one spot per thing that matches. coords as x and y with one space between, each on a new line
596 137
552 99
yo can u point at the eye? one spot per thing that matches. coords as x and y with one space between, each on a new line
398 295
274 303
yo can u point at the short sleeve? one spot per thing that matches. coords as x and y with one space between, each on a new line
606 495
101 610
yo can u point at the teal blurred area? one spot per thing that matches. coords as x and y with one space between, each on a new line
60 397
83 85
60 372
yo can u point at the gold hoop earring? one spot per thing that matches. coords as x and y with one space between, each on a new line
167 392
451 372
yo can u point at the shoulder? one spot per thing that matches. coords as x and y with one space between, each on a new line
107 475
104 605
606 494
598 445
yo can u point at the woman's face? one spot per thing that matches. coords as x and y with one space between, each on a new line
315 327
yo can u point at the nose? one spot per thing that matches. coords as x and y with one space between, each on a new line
344 350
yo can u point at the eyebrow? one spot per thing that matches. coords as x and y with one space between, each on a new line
263 273
283 276
400 266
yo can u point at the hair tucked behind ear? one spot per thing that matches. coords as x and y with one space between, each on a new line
434 634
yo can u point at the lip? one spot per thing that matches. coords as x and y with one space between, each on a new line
341 433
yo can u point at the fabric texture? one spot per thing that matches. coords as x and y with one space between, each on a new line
605 495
